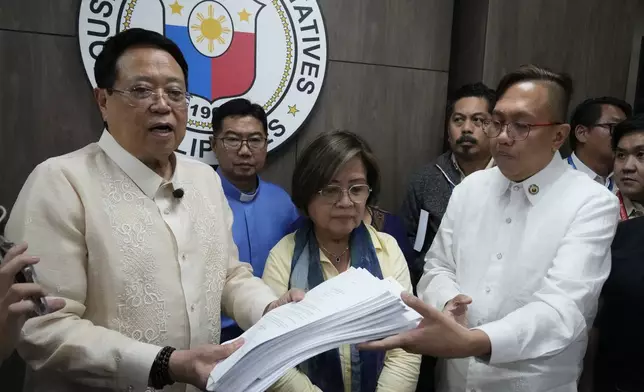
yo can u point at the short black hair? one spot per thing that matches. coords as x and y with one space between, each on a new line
239 107
478 90
630 125
321 160
533 73
105 66
589 111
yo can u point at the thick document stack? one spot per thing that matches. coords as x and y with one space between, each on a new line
352 308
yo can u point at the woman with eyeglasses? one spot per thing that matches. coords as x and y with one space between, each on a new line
334 180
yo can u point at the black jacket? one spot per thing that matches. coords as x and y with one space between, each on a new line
429 189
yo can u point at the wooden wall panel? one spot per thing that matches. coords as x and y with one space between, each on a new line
468 42
633 70
40 16
46 106
280 164
395 110
404 33
590 39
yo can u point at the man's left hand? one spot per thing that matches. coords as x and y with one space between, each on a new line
437 335
293 295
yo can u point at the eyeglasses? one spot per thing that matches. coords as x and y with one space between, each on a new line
143 96
235 143
358 193
515 130
609 126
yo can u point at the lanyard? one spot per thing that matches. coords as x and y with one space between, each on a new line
572 163
622 209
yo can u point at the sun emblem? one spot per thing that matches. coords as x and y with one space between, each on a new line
211 28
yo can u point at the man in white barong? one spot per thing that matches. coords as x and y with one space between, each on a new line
513 277
136 239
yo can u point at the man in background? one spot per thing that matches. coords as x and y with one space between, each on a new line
613 359
591 126
628 144
468 112
262 212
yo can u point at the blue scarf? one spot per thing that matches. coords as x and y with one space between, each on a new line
324 370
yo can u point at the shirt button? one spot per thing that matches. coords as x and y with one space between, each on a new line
499 256
479 323
166 211
508 220
516 188
487 289
192 308
183 257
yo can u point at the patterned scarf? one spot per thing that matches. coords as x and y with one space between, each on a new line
324 370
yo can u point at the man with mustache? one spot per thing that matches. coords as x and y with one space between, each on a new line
513 278
467 113
262 212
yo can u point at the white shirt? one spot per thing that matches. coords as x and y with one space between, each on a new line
138 268
533 256
608 182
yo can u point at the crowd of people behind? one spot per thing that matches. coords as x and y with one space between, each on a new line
526 265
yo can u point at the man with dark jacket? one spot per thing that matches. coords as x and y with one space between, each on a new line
468 112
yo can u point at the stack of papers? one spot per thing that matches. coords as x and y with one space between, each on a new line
351 308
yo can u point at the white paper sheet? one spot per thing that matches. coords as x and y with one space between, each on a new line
351 308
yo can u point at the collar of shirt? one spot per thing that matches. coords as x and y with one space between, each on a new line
490 165
537 185
581 166
144 177
232 192
633 209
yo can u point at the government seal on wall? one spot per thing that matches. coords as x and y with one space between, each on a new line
273 52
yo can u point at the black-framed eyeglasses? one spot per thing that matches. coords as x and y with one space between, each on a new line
143 96
609 126
358 193
235 143
514 130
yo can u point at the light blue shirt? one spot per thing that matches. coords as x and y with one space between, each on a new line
260 221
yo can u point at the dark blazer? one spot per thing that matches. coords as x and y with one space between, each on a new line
619 363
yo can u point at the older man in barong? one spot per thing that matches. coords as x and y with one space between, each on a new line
136 239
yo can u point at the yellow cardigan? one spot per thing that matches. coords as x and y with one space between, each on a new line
400 372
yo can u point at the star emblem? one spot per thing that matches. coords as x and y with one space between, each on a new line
176 7
292 110
244 15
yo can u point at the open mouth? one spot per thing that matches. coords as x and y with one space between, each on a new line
162 128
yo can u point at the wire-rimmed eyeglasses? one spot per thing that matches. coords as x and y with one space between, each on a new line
143 96
358 193
514 130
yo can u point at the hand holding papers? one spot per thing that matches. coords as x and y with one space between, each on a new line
351 308
437 335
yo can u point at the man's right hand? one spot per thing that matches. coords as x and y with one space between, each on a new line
15 303
194 366
456 308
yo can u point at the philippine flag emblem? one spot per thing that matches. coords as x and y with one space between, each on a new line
272 52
